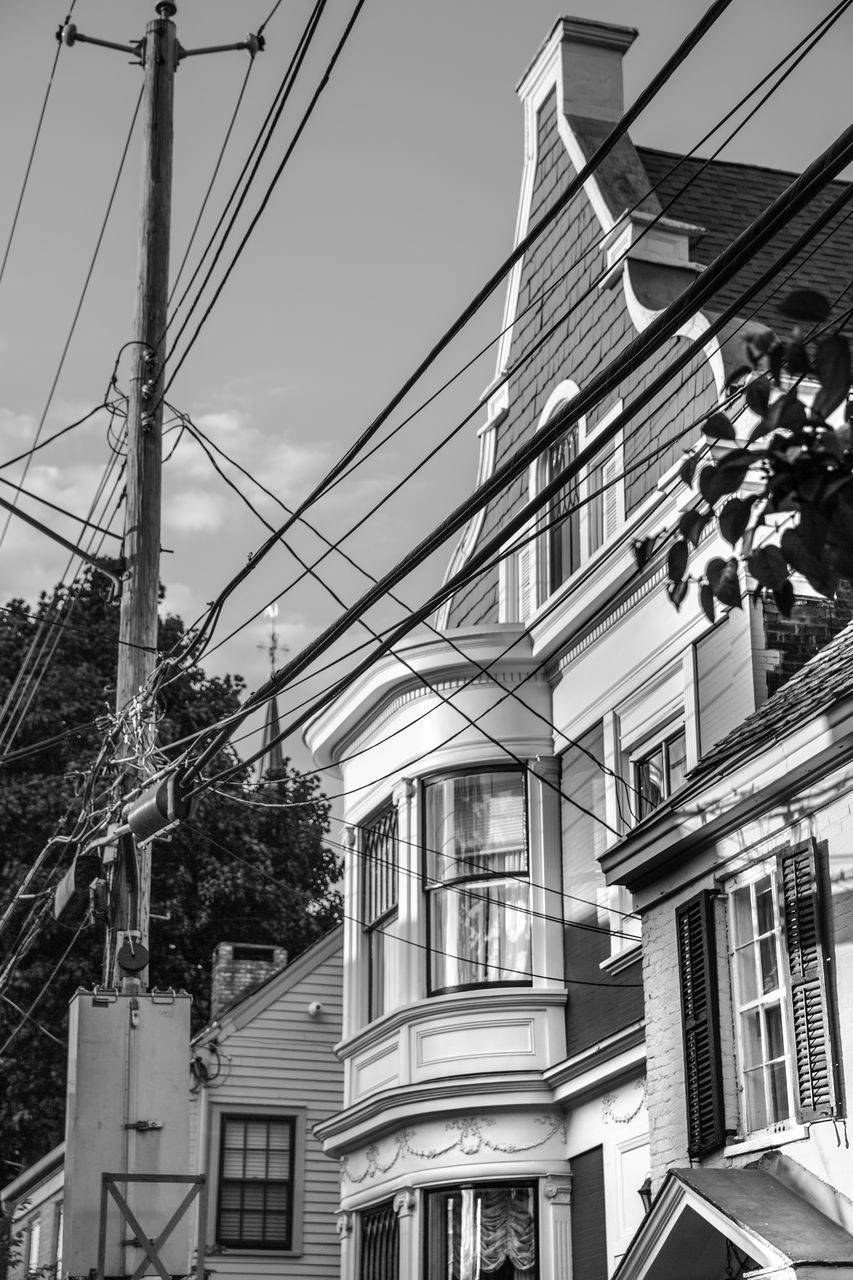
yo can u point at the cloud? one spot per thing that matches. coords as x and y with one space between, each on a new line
189 511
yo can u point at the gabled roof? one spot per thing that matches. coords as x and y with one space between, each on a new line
824 680
724 198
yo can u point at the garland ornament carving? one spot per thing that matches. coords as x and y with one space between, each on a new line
468 1139
610 1115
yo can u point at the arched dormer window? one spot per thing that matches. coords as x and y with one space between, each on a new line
559 552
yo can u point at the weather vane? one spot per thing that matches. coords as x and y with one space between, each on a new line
273 646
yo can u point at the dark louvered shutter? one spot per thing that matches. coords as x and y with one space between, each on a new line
810 1007
698 974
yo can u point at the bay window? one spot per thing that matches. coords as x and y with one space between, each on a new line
477 880
482 1231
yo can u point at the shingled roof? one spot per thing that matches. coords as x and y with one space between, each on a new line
725 198
824 680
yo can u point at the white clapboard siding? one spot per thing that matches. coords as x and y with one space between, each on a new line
724 688
280 1057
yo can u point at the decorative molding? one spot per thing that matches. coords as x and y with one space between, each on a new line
403 792
349 836
492 677
609 1114
344 1224
558 1190
469 1140
404 1203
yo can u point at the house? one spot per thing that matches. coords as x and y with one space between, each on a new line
499 1079
744 881
264 1074
261 1075
34 1203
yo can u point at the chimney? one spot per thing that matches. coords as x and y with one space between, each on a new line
239 966
590 60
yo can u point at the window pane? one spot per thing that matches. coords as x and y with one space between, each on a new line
254 1188
756 1106
480 934
779 1109
747 979
752 1039
769 964
482 1233
648 781
379 865
563 517
764 905
742 916
676 750
775 1034
476 823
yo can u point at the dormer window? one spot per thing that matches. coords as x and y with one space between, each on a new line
563 534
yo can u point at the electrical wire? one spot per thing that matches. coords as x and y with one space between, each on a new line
663 327
60 962
79 307
36 497
420 945
619 130
801 50
33 147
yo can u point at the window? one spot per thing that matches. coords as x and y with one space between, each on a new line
780 992
781 1002
562 516
603 508
34 1245
380 1248
589 1221
477 880
379 906
255 1209
659 772
482 1233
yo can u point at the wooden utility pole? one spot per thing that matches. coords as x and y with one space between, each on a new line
126 952
130 906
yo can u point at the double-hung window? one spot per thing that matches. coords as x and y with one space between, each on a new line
255 1207
482 1233
379 905
477 880
780 999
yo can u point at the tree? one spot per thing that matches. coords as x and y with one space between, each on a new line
784 496
236 871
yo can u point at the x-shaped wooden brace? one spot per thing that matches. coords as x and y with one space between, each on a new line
151 1248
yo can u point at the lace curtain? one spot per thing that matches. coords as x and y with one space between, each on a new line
486 1232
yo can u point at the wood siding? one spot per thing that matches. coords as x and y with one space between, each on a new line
284 1058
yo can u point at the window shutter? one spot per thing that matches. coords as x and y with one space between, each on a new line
700 1018
525 554
807 963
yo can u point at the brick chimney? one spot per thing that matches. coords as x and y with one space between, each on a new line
239 966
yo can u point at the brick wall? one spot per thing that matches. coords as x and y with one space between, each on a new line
790 642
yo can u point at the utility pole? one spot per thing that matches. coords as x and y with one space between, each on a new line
127 1113
159 53
131 896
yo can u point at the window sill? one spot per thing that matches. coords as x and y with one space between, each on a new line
765 1139
622 959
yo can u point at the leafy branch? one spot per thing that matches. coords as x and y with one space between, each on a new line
798 516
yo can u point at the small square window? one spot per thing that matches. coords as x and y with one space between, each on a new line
659 772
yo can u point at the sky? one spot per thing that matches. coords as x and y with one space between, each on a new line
399 201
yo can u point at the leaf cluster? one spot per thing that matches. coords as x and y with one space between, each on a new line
797 467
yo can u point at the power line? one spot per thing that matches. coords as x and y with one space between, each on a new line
619 130
79 306
33 147
663 327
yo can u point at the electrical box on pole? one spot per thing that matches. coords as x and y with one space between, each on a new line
127 1112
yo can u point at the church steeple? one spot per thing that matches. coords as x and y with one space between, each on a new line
271 747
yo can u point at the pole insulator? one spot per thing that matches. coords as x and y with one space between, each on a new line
67 34
166 9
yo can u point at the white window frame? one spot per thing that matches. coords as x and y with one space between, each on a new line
661 739
780 996
248 1111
